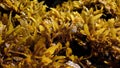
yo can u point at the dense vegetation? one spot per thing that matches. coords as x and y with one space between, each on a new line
62 34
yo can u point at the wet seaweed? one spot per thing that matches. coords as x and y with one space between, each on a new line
64 34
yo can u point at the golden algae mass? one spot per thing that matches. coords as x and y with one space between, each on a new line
69 34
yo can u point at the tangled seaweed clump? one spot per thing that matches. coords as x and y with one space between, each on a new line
74 34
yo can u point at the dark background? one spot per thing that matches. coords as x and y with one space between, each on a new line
52 3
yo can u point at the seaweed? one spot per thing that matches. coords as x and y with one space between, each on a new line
64 34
